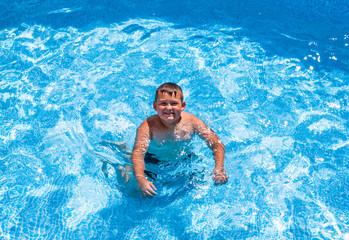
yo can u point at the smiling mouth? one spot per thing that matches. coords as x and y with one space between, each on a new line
169 114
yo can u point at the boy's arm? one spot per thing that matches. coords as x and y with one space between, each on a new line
212 140
140 148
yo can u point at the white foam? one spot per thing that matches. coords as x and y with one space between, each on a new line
89 197
346 236
263 160
324 125
70 139
340 144
334 105
42 191
277 144
306 115
5 96
64 10
298 167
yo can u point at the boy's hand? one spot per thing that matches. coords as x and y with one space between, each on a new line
220 176
147 188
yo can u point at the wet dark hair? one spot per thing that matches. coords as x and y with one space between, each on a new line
170 88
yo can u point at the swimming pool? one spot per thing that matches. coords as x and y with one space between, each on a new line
269 77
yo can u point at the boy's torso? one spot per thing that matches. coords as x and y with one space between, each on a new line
181 131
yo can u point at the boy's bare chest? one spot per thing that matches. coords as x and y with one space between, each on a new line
179 133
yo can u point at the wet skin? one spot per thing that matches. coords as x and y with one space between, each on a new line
173 124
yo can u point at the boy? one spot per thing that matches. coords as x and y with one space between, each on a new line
172 124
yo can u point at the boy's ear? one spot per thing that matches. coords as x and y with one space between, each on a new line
183 105
154 105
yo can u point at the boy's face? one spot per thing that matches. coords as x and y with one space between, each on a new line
169 107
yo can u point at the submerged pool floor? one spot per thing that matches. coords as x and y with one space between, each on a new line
279 103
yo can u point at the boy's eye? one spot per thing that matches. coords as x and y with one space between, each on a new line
167 103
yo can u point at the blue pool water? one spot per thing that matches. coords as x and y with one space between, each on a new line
271 78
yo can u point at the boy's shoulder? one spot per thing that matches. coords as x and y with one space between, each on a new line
189 117
192 120
152 119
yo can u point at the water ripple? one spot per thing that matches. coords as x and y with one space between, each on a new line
62 91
